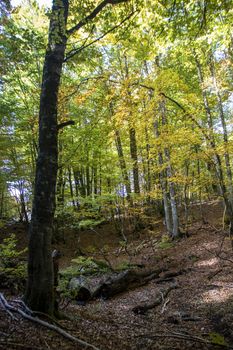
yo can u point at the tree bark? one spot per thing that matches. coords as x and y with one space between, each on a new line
39 294
132 137
134 157
71 187
162 179
122 164
174 211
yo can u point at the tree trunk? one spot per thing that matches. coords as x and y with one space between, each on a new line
79 182
163 183
39 294
175 219
122 164
224 128
134 157
71 187
217 159
132 137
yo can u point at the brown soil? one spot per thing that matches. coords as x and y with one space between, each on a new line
201 306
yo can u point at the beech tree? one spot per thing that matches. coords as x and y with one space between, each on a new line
39 294
152 110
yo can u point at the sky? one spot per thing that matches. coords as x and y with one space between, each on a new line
41 2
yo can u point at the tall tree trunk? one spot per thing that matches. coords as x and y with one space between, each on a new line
95 180
60 189
163 183
224 128
71 186
23 205
40 294
148 176
79 181
134 157
88 182
172 190
122 164
132 137
217 159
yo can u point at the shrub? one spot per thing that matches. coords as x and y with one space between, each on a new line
12 268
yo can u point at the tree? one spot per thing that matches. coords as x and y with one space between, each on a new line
39 294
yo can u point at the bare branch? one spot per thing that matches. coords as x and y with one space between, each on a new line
93 14
74 52
62 125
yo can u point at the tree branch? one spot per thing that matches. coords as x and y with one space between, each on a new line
93 14
62 125
72 53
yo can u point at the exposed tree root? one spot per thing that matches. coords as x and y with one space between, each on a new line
28 315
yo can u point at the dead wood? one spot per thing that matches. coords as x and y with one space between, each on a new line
179 316
213 274
169 276
187 337
5 343
57 329
143 308
126 280
109 286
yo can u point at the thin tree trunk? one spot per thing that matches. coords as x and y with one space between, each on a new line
163 183
224 128
88 182
175 219
132 138
79 182
217 159
134 157
71 187
148 178
122 164
60 189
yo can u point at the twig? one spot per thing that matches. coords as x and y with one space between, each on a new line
4 344
3 334
143 308
164 305
213 274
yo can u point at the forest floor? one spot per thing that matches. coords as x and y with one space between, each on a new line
201 306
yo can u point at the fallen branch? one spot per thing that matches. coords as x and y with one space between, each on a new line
181 336
165 305
4 343
143 308
169 276
213 274
57 329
